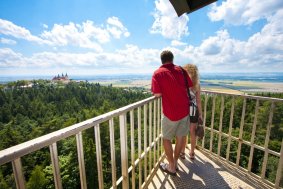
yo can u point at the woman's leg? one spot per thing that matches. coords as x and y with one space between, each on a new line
185 142
193 138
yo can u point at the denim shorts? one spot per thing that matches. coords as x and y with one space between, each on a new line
175 128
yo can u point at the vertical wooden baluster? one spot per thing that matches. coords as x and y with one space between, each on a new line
279 168
204 118
80 151
55 165
220 126
241 132
158 128
145 141
98 155
263 170
154 130
18 173
230 128
113 156
253 137
212 123
139 146
124 150
150 136
133 149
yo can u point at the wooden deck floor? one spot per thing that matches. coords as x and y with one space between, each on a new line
204 172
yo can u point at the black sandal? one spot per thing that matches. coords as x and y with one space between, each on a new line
182 155
164 168
192 156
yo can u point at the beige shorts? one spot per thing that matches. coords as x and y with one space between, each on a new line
175 128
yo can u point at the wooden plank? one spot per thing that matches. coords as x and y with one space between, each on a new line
113 156
124 150
263 170
230 128
220 125
133 149
145 139
212 123
55 165
18 173
253 136
80 151
241 132
98 156
204 118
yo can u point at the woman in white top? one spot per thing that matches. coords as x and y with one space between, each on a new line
195 95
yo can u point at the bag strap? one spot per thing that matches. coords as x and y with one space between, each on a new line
186 82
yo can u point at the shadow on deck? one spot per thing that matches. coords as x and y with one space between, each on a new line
205 171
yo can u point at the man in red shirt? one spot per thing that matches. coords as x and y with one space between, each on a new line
168 82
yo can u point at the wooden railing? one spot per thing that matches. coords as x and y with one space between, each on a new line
216 131
151 153
144 120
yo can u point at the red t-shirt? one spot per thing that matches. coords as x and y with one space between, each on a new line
169 81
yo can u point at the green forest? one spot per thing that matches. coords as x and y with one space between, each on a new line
27 113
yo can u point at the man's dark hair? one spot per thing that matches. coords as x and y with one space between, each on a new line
166 56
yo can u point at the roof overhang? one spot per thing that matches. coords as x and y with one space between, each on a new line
188 6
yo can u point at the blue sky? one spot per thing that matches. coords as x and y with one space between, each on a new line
90 37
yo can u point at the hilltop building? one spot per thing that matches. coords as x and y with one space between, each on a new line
63 78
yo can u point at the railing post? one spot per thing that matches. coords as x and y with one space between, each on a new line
220 126
98 155
280 167
150 136
124 150
133 150
18 173
204 118
253 137
241 132
145 140
230 128
80 151
139 146
158 128
154 130
55 166
113 158
212 123
263 170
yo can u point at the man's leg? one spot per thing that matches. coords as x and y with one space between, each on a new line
181 134
169 154
178 148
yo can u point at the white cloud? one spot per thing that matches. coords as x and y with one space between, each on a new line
167 23
7 41
238 12
10 29
85 35
177 43
11 59
131 58
116 28
263 51
220 52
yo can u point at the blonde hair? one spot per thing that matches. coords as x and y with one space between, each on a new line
192 70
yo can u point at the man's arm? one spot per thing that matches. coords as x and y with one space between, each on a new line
155 88
157 94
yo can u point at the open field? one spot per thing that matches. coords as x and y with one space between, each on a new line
229 86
